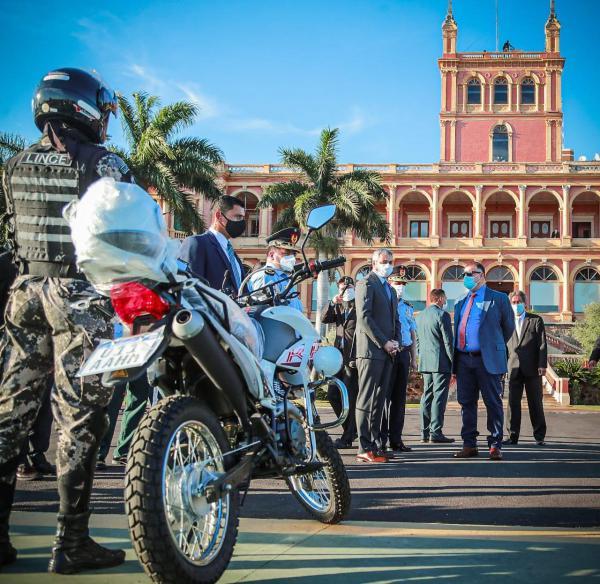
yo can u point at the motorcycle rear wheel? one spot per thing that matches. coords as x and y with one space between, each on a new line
325 494
178 536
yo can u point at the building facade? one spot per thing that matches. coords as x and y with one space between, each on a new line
505 192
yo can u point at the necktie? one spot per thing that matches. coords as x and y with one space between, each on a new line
462 329
388 290
235 268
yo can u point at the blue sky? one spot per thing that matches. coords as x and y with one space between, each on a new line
271 73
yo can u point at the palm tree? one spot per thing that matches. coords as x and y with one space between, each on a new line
159 162
10 144
355 194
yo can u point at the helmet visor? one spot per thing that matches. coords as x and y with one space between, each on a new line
107 101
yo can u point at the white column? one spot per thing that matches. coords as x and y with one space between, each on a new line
434 271
391 211
434 233
521 210
522 275
566 216
477 231
566 297
443 140
548 141
444 109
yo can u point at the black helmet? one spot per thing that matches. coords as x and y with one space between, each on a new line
74 96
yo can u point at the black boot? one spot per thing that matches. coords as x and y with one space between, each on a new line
74 550
8 554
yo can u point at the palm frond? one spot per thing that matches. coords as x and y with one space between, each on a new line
129 122
199 147
174 117
281 194
285 218
143 110
326 158
299 160
10 144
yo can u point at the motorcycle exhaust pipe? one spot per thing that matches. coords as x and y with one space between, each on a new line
191 329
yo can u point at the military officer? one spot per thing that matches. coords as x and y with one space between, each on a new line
404 360
281 259
45 334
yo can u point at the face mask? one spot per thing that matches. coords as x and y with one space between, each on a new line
383 270
235 228
287 263
399 290
348 295
469 282
518 308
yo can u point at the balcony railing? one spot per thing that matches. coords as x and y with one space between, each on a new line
503 56
435 168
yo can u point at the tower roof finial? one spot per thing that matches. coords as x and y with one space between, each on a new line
552 8
450 7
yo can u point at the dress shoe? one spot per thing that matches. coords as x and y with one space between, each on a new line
370 457
8 554
385 452
509 441
101 464
495 453
28 472
120 460
466 452
540 442
342 444
441 439
43 466
425 439
401 447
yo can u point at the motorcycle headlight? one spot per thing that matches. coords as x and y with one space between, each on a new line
327 361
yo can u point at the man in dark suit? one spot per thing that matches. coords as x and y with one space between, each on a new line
527 363
377 341
436 348
341 311
483 324
211 255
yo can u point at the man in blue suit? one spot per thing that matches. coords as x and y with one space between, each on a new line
483 325
211 255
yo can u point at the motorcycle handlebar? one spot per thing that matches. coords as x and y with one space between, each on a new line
334 263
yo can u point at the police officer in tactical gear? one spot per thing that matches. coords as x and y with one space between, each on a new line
45 335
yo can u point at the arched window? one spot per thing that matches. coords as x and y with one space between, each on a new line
501 91
250 201
587 288
544 290
474 91
500 274
528 91
363 273
452 284
416 287
500 144
334 276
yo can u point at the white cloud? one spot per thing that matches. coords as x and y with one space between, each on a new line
207 105
355 124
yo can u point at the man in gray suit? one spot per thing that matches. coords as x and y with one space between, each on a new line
436 345
377 341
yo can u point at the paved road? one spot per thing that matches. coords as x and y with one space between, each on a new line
553 486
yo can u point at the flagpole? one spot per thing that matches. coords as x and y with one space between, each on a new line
496 25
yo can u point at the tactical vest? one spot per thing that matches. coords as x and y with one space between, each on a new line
41 183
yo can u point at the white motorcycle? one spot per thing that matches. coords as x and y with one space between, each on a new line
229 414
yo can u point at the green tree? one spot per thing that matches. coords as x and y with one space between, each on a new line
356 195
10 144
159 161
587 330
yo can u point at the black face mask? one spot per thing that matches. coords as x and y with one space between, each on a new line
235 228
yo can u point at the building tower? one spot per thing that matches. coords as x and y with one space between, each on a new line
501 107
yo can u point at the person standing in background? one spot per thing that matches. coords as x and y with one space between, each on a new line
527 364
436 347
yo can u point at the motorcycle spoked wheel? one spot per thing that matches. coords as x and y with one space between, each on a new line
178 536
325 494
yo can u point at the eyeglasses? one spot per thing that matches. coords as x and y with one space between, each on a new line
470 273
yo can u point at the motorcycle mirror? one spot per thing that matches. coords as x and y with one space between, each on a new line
320 216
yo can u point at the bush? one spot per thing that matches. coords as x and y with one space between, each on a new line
584 384
587 330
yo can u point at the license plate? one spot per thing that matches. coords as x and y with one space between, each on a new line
123 353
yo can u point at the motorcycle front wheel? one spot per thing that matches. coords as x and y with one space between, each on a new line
325 494
179 536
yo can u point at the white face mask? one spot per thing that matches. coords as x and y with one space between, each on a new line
287 263
348 295
399 290
383 270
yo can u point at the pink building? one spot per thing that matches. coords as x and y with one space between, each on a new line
504 192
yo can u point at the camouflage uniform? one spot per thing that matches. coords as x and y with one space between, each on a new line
45 334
